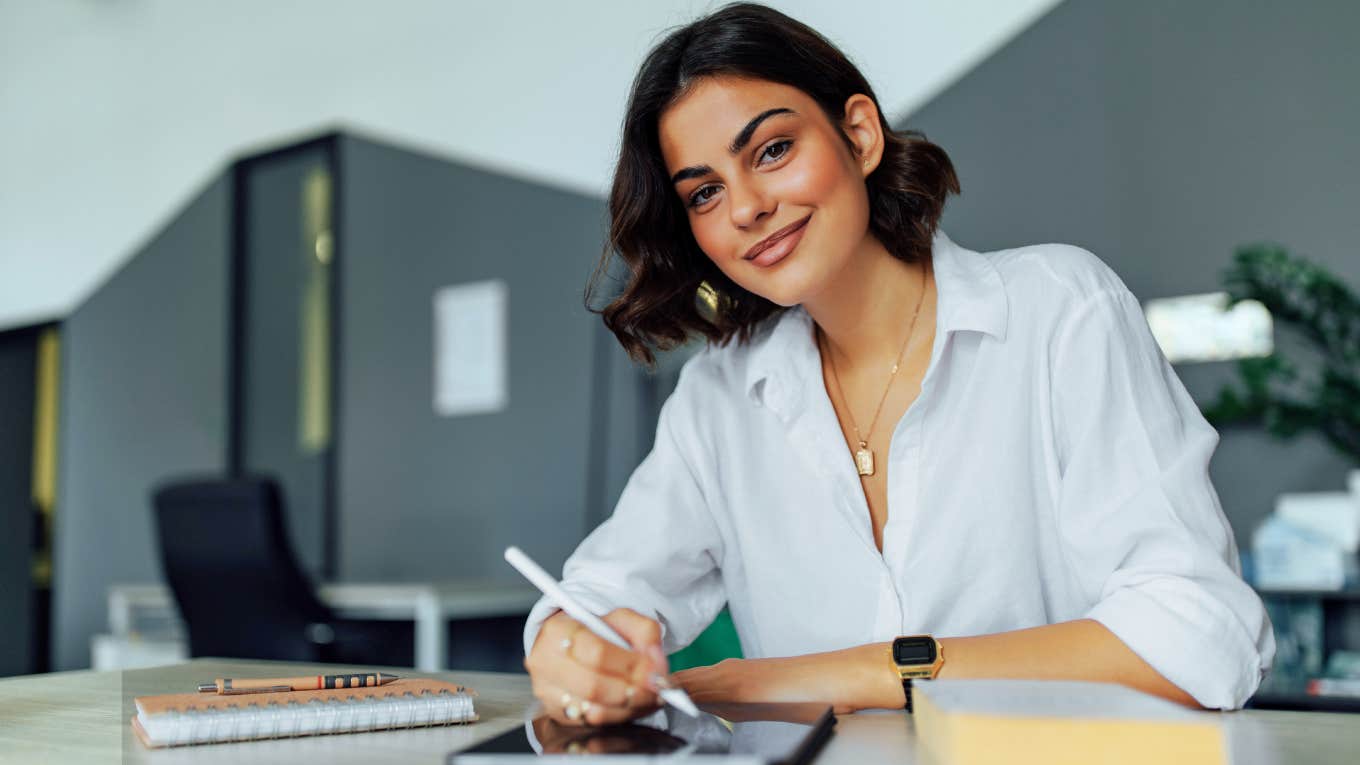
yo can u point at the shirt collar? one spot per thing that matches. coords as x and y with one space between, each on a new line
970 297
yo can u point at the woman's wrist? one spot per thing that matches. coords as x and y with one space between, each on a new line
877 684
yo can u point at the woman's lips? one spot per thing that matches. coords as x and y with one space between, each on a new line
781 247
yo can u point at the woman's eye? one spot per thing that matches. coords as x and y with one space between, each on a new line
777 149
774 152
698 197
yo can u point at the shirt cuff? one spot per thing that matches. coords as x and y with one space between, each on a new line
1215 663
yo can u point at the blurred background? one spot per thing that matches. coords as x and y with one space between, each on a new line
291 316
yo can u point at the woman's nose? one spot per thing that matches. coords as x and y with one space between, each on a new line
748 205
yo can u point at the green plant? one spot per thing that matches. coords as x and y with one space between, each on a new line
1276 392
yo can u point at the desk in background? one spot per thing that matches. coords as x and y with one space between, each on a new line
82 717
431 606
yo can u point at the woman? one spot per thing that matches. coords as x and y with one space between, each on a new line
984 458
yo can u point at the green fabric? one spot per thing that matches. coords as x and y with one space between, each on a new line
714 644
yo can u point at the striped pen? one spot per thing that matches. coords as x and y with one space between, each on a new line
228 685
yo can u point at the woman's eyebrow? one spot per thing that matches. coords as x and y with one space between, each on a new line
738 143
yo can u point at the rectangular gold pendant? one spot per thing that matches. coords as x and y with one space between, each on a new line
864 460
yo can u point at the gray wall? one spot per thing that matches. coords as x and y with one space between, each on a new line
144 398
423 496
1161 136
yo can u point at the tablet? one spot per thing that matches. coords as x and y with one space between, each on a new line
754 734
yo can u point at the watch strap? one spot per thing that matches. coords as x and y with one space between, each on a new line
906 689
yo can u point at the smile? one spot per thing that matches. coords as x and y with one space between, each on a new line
778 245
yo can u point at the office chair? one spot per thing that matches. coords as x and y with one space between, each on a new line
239 588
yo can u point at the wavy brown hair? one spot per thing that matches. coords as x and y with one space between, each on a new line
671 291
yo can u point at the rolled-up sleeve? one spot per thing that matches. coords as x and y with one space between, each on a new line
1139 520
660 552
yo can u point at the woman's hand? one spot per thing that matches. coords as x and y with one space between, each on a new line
851 679
582 679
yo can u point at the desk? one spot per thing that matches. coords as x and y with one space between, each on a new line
430 606
82 717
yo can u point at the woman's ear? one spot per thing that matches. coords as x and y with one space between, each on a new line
865 131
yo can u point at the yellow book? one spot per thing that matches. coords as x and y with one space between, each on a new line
1050 722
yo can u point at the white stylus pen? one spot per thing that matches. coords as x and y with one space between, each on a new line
676 697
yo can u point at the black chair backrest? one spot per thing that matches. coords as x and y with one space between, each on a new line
227 559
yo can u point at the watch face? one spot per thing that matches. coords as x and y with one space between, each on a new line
914 650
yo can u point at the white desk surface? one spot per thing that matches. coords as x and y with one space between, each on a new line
82 717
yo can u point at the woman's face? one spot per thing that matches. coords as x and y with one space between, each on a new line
751 159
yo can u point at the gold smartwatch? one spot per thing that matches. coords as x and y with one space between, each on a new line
916 657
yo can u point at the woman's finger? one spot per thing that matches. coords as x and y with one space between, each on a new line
594 686
561 706
596 653
602 715
567 709
644 635
551 637
641 632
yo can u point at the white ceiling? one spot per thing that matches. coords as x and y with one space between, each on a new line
113 112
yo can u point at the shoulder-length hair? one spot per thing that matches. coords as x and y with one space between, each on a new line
671 290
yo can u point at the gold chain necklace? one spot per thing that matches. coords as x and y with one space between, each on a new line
864 456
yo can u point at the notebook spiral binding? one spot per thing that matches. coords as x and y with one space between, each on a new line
252 720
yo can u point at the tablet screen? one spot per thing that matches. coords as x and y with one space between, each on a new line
756 733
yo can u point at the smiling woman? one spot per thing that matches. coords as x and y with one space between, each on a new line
1036 502
713 112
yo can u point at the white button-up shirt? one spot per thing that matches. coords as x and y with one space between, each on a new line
1052 468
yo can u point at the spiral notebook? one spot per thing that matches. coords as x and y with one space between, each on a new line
179 719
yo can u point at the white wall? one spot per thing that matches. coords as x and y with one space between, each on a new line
114 112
